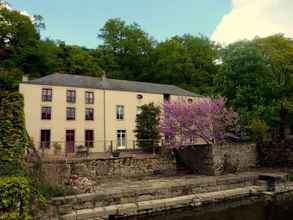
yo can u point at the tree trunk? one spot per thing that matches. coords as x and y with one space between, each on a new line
284 124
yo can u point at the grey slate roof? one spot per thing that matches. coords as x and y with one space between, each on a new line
69 80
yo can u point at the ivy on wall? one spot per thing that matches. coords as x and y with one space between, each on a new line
13 139
15 186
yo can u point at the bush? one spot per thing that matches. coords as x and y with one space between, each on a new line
49 191
147 127
259 130
14 198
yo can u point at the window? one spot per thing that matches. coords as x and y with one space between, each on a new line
46 113
89 97
89 114
120 112
89 138
70 113
45 138
46 95
121 138
189 101
71 96
138 110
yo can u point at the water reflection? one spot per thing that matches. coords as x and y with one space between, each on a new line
281 210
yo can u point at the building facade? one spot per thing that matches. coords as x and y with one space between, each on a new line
98 113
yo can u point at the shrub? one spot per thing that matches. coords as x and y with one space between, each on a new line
259 130
14 198
147 127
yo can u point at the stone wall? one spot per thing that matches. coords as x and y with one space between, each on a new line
219 159
61 171
276 154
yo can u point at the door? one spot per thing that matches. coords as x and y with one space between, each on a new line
70 141
121 139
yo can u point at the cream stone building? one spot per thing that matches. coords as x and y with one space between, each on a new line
98 113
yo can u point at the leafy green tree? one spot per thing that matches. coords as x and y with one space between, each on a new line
78 60
147 129
187 61
9 79
257 78
42 59
279 50
16 32
126 50
241 80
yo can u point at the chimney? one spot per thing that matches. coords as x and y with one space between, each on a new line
24 78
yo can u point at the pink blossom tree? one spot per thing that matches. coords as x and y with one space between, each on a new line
205 119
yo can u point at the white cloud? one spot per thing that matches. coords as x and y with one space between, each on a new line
25 13
250 18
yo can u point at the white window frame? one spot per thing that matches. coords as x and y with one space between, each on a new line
121 139
120 112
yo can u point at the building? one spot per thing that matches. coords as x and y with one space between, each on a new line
98 113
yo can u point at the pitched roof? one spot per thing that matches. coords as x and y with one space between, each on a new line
69 80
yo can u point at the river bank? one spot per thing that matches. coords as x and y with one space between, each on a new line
126 197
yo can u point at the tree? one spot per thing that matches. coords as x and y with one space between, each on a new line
79 61
257 79
147 127
245 80
17 31
205 119
187 61
127 48
9 79
279 50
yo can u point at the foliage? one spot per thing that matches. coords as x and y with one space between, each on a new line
15 178
147 129
187 61
126 50
57 148
13 138
49 191
14 198
9 79
206 119
17 32
279 50
259 130
256 77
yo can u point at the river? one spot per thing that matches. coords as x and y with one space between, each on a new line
260 210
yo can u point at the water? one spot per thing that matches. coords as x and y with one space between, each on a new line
259 210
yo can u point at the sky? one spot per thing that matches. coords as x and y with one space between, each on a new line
225 21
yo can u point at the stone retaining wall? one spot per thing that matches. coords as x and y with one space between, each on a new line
219 159
276 154
60 172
